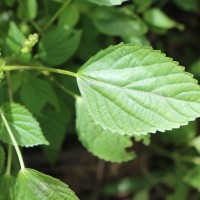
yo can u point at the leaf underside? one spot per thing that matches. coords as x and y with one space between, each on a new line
133 90
34 185
7 184
23 125
103 144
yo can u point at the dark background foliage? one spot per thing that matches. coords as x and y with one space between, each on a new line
70 32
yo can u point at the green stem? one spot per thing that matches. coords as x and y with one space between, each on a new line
55 16
10 95
58 71
9 159
13 140
63 88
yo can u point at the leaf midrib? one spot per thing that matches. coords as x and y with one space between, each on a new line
124 88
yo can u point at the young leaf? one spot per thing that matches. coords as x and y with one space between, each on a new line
7 183
14 41
25 128
103 144
111 21
133 90
58 45
107 2
35 93
34 185
2 158
158 19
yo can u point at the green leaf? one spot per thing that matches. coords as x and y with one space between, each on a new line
158 19
27 9
35 93
7 183
112 21
107 2
33 185
103 144
145 139
24 126
192 177
133 90
17 79
55 132
2 158
58 45
69 17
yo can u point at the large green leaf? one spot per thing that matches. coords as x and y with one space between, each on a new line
58 45
7 183
2 158
132 89
24 126
107 2
114 22
33 185
103 144
35 93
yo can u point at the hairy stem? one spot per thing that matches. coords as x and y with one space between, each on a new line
13 140
9 155
58 71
